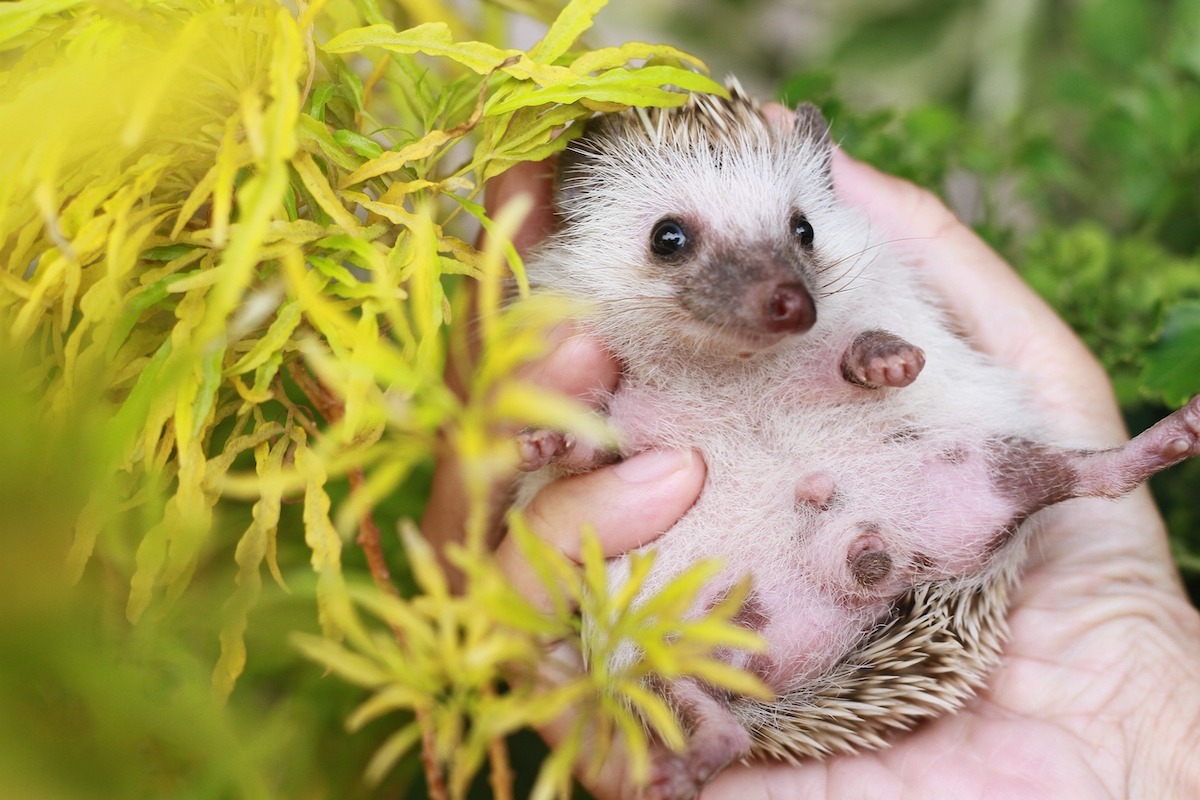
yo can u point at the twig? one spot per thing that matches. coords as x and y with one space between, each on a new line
435 783
332 409
501 775
369 539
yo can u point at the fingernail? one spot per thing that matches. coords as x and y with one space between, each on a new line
652 465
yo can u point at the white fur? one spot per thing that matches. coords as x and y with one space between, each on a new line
763 423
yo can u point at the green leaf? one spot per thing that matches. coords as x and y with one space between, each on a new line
432 38
167 252
357 669
310 132
1172 369
322 93
363 145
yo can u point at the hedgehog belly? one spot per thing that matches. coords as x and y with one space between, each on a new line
927 660
854 655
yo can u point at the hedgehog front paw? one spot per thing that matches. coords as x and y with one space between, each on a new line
877 359
538 447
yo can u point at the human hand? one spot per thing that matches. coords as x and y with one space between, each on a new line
1099 689
1098 692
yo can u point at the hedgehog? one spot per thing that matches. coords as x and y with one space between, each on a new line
869 471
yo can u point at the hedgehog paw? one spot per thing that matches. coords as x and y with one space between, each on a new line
877 359
538 447
1183 439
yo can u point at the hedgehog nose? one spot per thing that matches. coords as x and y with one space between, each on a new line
790 309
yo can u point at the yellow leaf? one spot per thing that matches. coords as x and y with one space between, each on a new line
393 160
393 697
639 567
640 87
570 24
610 57
400 188
635 746
273 341
529 404
423 562
253 547
16 18
656 713
677 597
320 190
726 676
432 38
355 668
390 751
557 575
151 553
321 537
399 615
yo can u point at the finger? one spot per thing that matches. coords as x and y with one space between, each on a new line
532 178
578 366
627 505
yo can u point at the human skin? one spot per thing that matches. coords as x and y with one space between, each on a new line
1098 693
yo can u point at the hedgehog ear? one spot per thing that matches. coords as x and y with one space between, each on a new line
811 124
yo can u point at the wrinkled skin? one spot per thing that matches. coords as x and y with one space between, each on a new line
1098 694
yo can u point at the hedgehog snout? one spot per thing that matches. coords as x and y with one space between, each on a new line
789 308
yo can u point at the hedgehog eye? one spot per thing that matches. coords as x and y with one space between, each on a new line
668 238
803 230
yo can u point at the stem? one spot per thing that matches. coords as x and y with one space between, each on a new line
332 409
369 540
434 781
500 775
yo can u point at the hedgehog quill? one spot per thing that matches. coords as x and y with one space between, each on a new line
867 468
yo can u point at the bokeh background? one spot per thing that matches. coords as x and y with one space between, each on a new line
1066 131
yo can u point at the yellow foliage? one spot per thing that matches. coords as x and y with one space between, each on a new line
235 228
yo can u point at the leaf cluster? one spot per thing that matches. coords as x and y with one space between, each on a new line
232 236
474 667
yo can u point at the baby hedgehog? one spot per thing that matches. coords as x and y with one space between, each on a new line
866 467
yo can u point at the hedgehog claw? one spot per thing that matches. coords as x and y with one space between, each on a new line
537 447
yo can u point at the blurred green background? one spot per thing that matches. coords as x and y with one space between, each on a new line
1068 133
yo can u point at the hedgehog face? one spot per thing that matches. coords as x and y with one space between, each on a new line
747 297
720 224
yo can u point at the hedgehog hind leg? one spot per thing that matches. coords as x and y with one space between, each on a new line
1112 473
715 740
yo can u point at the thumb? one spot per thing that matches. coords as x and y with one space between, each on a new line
627 504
